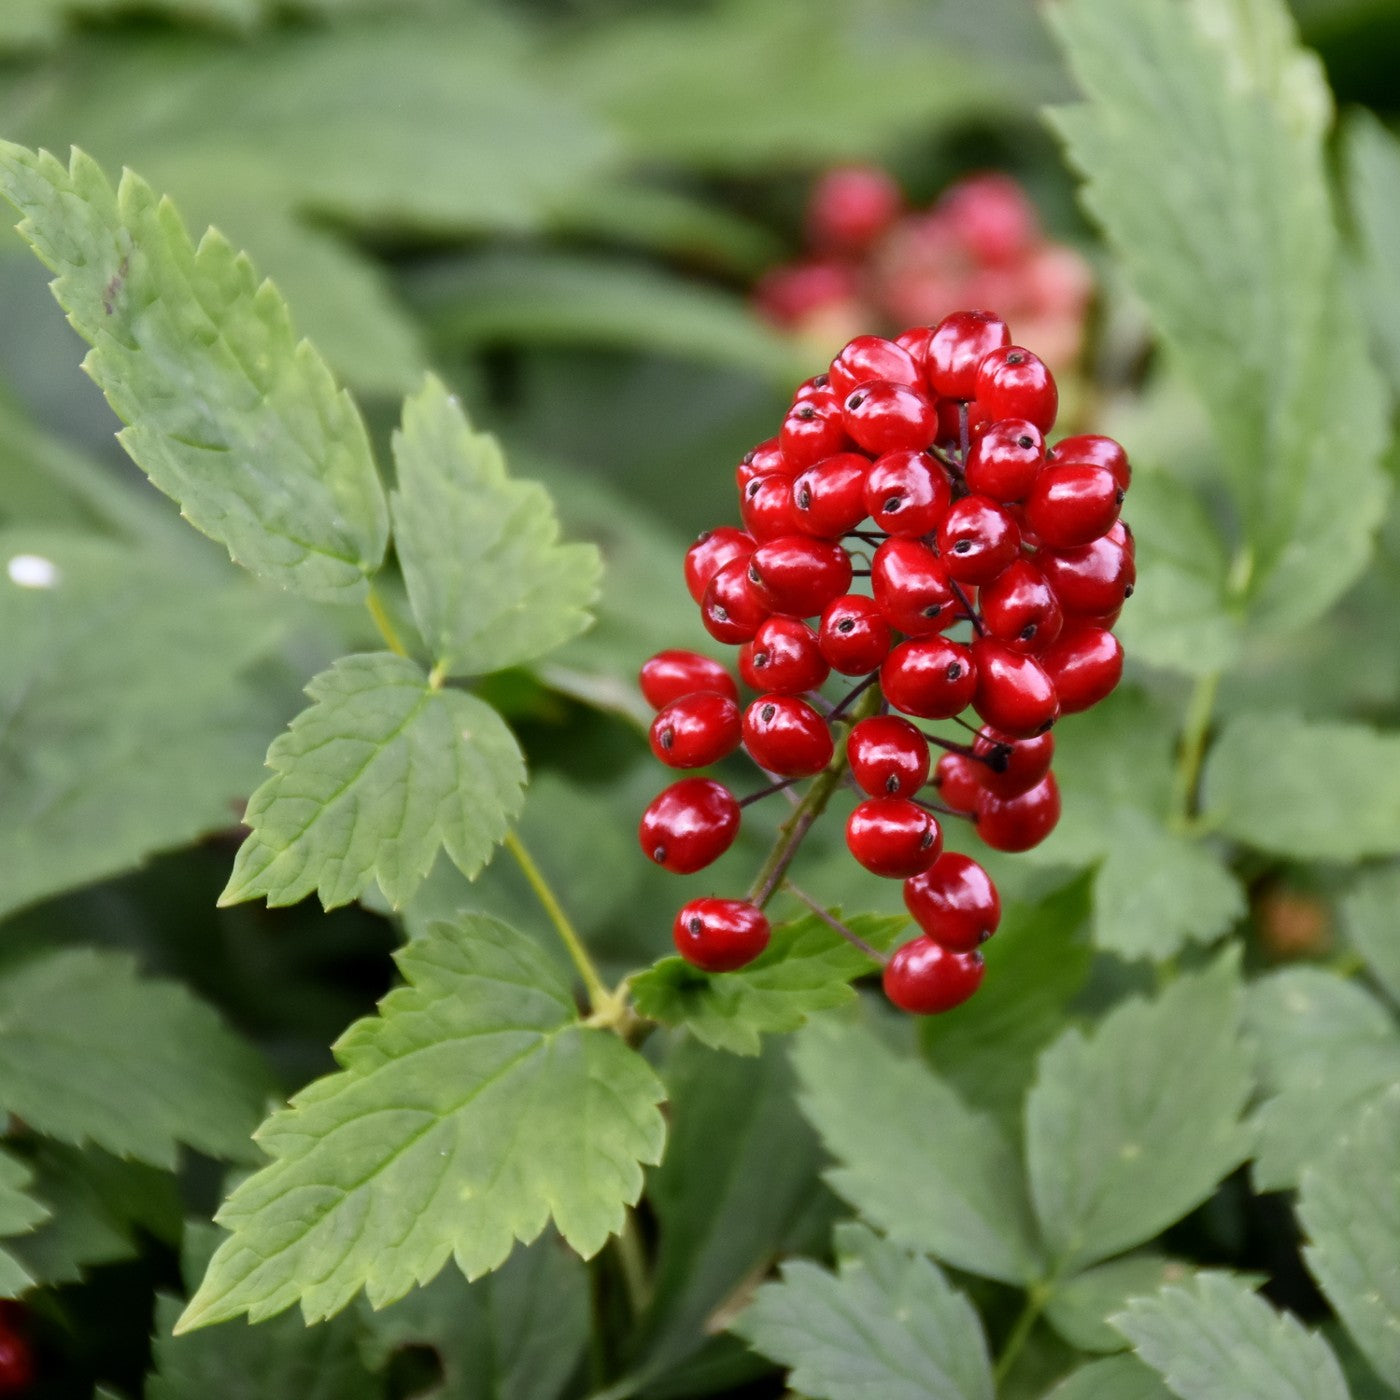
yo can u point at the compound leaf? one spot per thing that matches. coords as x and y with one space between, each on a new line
1112 1378
19 1212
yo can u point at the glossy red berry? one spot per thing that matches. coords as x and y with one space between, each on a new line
1014 383
767 510
958 779
1003 461
884 417
1018 823
689 824
671 674
957 346
851 206
854 635
829 497
978 539
786 736
1014 694
784 657
907 493
814 428
696 730
732 610
1085 665
720 935
710 553
1020 609
1099 450
889 757
1010 766
1093 579
931 677
1073 503
910 583
767 458
893 837
925 978
870 357
954 902
798 575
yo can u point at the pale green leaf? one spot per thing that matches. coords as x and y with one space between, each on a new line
1371 159
1132 1127
1324 1048
472 1110
807 967
1349 1205
1371 918
226 411
19 1213
1263 786
72 1067
1112 1378
889 1121
490 583
887 1324
1079 1308
1215 1338
371 781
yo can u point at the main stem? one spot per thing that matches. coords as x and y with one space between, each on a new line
1191 754
1021 1331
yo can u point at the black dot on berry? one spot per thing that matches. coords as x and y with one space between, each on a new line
752 490
1015 358
806 413
962 547
892 504
999 760
703 536
954 671
1025 440
720 614
659 855
1044 728
1128 591
754 576
855 401
1119 496
821 381
804 499
926 840
767 713
695 924
747 459
932 610
1027 632
760 660
668 738
892 785
846 624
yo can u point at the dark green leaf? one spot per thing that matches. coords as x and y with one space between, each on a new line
1371 917
19 1212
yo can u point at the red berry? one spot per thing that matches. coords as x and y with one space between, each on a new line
719 935
915 340
766 508
1100 451
1085 665
907 493
854 635
870 357
818 387
786 736
925 978
813 429
977 539
911 586
1018 823
766 458
893 837
992 218
690 824
1073 503
956 348
732 609
798 575
851 206
696 730
959 781
829 497
783 657
1093 579
790 296
931 677
954 902
671 674
1020 608
1013 693
1003 461
889 757
1014 383
1010 766
884 417
710 553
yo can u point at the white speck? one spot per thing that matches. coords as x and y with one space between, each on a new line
33 571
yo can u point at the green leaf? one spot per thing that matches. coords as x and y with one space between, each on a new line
1079 1308
1215 1338
890 1121
226 411
1371 918
490 583
1203 147
368 783
517 1334
71 1067
887 1324
807 967
1324 1048
1349 1205
1131 1128
473 1109
1113 1378
1157 891
19 1212
1262 788
1371 159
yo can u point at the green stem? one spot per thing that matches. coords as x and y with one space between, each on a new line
634 1268
1191 754
1020 1333
384 623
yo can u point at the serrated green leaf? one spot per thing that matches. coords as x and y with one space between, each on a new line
1323 1049
371 781
889 1121
1202 143
1349 1205
19 1212
472 1110
1371 918
887 1324
1079 1307
1371 159
1129 1129
490 583
807 967
72 1069
1113 1378
1215 1338
1157 891
1262 788
226 412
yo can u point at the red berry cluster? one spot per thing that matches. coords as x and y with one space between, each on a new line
996 567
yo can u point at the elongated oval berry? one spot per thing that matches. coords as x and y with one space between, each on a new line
931 677
710 553
854 635
870 357
1018 823
732 609
784 657
1085 665
958 779
1010 766
977 540
957 346
1014 383
798 575
884 417
1013 692
893 837
1093 579
829 497
889 757
907 493
955 902
1099 450
689 824
720 935
671 674
1003 461
1020 609
911 586
814 428
1073 503
924 978
696 730
786 736
766 508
